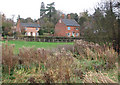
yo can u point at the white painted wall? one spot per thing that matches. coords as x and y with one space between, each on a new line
33 34
29 34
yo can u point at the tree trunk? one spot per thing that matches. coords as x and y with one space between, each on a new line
118 50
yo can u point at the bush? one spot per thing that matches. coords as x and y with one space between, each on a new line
40 32
92 51
8 58
58 65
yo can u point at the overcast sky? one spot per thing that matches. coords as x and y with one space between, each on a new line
31 8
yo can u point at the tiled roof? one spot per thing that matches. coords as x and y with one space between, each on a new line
70 22
30 25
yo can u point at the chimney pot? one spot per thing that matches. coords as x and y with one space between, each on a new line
63 16
38 22
69 17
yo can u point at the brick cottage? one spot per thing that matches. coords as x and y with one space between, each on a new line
67 27
30 29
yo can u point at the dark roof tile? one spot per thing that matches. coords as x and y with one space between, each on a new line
70 22
30 25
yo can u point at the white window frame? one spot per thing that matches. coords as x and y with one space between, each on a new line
76 28
37 29
77 34
69 28
37 34
68 34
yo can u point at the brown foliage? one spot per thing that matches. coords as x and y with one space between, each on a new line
91 77
60 66
8 57
92 51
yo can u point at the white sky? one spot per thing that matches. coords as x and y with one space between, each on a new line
31 8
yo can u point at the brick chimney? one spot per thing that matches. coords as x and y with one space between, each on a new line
18 25
38 22
63 16
68 16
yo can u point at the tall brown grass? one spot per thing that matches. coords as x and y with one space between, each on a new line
8 57
93 51
60 65
91 77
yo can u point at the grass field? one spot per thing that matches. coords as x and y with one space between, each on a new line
46 45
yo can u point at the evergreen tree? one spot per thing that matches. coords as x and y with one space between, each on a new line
74 16
51 9
42 9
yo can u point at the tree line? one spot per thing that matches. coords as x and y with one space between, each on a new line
104 24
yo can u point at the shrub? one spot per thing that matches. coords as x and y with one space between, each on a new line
92 51
40 32
59 65
8 57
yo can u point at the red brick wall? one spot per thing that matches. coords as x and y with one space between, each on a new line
19 28
72 29
61 29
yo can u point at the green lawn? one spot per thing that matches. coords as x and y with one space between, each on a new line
46 45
